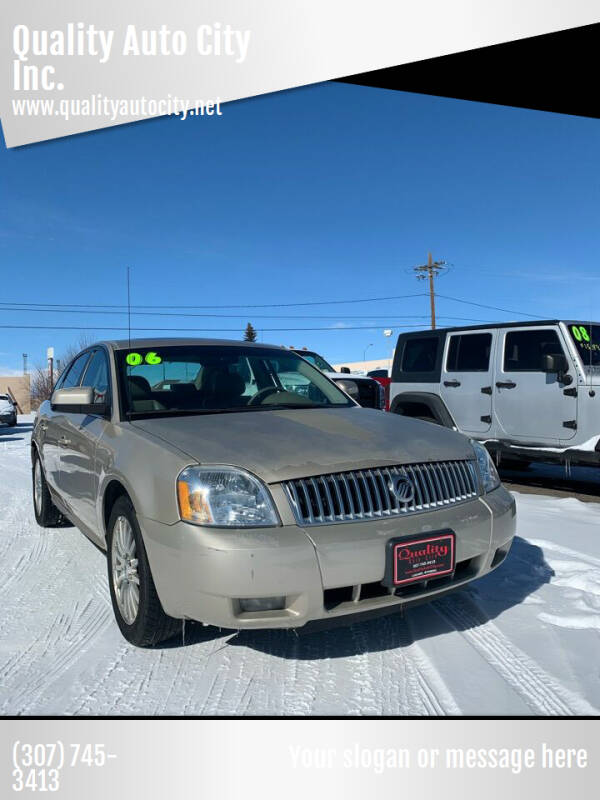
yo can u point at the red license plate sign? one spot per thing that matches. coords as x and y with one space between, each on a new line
420 558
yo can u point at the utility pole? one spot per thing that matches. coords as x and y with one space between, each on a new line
25 357
430 270
50 355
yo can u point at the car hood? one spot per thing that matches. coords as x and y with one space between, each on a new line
280 445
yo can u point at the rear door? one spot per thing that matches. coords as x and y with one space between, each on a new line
532 405
78 479
466 385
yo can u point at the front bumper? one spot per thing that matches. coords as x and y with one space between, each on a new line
8 417
323 571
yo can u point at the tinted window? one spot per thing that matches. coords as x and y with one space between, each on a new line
420 355
523 350
75 372
96 376
469 352
378 373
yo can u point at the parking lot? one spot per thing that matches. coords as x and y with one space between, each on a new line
523 640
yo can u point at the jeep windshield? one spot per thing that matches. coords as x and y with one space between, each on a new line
586 338
216 379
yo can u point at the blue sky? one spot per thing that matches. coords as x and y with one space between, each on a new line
322 193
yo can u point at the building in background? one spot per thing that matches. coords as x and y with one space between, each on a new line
19 388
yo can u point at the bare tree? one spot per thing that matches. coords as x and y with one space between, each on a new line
41 386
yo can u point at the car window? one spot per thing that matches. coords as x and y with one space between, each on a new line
524 350
317 360
75 372
469 352
378 373
61 379
420 354
208 378
96 376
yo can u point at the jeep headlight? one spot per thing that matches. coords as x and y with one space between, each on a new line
488 473
225 497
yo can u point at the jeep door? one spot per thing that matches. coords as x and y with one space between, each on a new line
532 405
466 381
82 432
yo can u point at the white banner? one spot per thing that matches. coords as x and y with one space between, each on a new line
70 67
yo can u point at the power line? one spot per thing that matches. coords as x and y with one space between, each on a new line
493 308
205 330
230 316
212 305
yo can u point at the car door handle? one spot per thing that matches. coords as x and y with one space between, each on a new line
451 383
44 426
506 384
64 441
486 390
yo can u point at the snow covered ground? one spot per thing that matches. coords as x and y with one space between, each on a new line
524 640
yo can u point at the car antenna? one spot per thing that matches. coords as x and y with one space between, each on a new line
128 308
128 335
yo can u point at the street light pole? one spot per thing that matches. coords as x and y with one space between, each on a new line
365 351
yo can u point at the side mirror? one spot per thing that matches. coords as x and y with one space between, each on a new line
350 388
557 362
345 370
78 400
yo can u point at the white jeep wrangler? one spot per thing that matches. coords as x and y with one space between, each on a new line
529 390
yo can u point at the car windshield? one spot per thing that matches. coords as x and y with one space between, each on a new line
586 338
317 360
211 379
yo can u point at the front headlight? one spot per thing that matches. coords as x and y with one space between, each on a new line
225 497
490 479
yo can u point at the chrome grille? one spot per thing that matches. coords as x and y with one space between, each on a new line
368 493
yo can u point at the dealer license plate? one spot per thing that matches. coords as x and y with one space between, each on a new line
419 558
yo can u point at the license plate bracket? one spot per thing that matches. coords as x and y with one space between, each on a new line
410 559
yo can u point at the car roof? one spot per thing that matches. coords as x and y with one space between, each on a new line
142 344
494 325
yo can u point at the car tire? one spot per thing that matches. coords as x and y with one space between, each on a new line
137 608
46 513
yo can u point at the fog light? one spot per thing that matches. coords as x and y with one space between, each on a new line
262 603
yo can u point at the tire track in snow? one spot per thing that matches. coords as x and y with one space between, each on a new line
424 690
565 551
539 690
62 647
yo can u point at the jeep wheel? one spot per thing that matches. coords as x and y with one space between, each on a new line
137 609
46 513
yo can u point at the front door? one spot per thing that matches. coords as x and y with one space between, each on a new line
82 432
466 381
532 405
53 424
